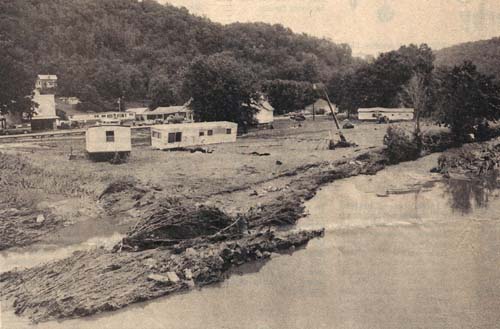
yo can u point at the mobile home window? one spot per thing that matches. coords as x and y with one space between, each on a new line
110 136
202 133
210 132
174 137
228 131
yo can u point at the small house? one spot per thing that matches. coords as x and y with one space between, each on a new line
106 141
170 136
44 116
389 114
46 83
167 113
264 114
138 112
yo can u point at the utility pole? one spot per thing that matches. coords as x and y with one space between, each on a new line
341 136
330 106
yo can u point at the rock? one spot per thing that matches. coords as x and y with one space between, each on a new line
348 125
172 276
188 274
159 278
150 263
258 254
40 218
190 252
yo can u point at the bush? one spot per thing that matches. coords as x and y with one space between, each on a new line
401 146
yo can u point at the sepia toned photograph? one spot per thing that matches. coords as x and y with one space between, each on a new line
238 164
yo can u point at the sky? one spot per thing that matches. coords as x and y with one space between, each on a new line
368 26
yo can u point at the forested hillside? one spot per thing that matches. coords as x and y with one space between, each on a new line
105 49
485 54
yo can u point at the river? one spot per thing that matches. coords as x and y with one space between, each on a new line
402 249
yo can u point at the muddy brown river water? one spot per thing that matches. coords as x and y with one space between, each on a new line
402 249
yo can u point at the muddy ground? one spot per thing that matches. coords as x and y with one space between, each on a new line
248 194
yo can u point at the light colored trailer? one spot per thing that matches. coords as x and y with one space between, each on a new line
390 114
172 136
106 141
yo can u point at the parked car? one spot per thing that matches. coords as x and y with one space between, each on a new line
18 129
298 117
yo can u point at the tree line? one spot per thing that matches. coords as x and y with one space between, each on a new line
105 50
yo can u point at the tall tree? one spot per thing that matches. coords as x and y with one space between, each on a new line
288 95
468 98
221 90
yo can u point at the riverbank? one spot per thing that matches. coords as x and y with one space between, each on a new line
108 280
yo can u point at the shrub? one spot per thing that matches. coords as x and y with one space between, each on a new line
401 146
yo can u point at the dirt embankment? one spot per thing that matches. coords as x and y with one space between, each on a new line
471 160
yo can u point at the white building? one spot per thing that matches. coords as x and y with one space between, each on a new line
167 113
102 142
46 82
192 134
391 114
264 114
101 117
139 113
44 117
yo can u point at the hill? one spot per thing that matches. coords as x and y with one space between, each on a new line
113 48
485 54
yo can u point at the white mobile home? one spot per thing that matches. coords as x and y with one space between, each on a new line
391 114
171 136
106 141
95 118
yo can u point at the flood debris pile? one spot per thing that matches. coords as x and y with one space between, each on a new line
470 160
175 249
127 193
169 225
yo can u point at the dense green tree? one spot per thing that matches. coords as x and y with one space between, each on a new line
381 82
288 95
221 90
16 82
119 46
467 99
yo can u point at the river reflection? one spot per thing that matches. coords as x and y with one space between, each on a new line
467 194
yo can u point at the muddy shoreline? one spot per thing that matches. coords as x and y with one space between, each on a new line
91 282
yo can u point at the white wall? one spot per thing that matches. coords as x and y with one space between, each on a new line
264 116
95 138
191 134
